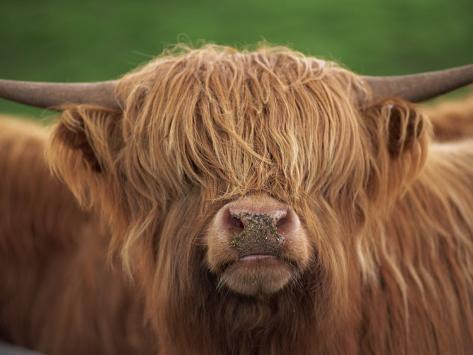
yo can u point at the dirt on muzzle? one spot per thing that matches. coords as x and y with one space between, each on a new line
259 236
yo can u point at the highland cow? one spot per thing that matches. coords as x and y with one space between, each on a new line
239 203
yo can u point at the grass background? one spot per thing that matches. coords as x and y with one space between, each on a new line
87 40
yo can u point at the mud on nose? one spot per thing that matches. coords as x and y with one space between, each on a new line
258 236
258 225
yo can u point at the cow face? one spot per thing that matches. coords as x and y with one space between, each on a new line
245 172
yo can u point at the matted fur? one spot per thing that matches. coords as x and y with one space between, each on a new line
452 119
388 212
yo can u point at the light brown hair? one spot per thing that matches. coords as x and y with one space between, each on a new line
389 214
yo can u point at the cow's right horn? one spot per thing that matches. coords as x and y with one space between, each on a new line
54 95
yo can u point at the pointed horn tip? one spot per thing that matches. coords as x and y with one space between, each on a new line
421 86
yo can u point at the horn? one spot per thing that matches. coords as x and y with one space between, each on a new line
415 88
54 95
419 87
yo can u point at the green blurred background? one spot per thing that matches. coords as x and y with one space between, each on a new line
87 40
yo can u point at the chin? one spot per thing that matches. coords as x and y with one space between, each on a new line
258 275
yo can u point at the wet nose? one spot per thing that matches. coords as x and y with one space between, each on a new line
258 225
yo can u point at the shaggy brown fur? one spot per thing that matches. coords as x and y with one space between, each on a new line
389 214
452 119
58 294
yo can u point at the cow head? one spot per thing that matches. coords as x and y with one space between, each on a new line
238 183
239 186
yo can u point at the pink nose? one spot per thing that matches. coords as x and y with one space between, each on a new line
240 215
258 225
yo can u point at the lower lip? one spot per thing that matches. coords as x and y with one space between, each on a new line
257 257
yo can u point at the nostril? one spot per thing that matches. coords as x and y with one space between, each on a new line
281 221
236 222
233 221
280 217
287 222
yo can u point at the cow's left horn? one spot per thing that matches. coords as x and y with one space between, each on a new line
419 87
53 95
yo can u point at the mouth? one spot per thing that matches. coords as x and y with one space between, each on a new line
258 259
258 274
